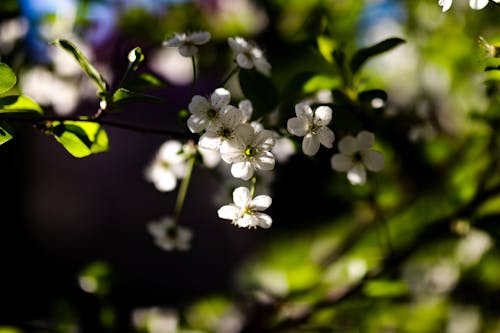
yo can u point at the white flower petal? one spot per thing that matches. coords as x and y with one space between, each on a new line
198 104
326 136
446 4
245 134
264 140
341 162
241 196
322 116
373 160
210 140
196 123
231 116
165 182
247 108
231 152
243 170
365 140
348 145
310 144
478 4
246 221
296 126
175 41
263 220
238 44
229 212
199 38
261 202
357 174
262 66
188 50
170 152
244 61
264 161
304 112
220 98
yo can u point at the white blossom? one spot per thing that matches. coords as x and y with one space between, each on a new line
205 113
168 165
246 212
355 155
224 130
249 55
170 236
188 43
312 126
474 4
250 150
247 108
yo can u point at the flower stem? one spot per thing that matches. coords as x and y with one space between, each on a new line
231 73
195 74
254 185
181 196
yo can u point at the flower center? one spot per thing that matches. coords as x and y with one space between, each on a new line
250 151
357 157
225 132
171 232
313 129
165 164
211 114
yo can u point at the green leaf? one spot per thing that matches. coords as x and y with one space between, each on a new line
259 89
364 54
143 82
7 78
385 288
326 46
19 106
91 71
6 133
123 95
80 138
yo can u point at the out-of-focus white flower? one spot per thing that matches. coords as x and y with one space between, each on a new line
229 119
170 236
211 158
355 154
283 148
248 55
155 320
250 150
168 165
472 247
246 212
312 126
50 90
11 31
204 113
247 108
474 4
188 43
174 67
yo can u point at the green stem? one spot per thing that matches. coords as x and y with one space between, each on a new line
231 73
254 185
193 62
181 196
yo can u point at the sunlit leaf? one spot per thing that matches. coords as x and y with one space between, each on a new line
5 133
143 82
260 90
7 78
362 55
85 64
80 138
326 46
123 95
385 288
19 106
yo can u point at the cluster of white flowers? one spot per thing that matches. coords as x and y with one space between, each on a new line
474 4
227 132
